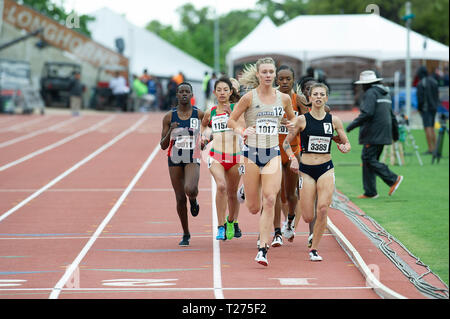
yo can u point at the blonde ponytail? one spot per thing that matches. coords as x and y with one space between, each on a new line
249 79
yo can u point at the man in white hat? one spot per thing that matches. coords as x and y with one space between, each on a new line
378 127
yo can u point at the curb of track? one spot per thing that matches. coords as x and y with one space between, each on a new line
371 281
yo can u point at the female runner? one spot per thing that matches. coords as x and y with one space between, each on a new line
316 167
263 108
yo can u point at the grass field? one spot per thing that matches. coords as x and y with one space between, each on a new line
418 213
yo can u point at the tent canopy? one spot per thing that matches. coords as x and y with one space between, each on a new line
313 37
144 49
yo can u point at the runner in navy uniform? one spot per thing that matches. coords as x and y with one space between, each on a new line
316 168
181 134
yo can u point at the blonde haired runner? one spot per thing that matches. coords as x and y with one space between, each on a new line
263 108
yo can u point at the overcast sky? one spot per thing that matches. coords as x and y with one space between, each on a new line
140 12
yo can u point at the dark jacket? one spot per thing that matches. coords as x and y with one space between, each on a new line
428 95
75 87
377 120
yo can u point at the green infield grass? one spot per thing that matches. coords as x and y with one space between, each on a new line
418 213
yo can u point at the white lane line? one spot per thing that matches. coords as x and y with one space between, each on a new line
74 265
38 132
30 190
56 144
21 125
371 280
217 271
73 168
175 289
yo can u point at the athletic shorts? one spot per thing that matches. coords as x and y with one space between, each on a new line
260 156
428 118
225 159
315 171
172 163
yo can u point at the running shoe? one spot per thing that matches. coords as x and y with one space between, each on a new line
395 186
229 229
195 207
240 194
261 257
310 238
220 233
237 230
277 240
185 240
288 230
363 196
314 255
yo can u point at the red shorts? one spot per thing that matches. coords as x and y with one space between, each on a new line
226 160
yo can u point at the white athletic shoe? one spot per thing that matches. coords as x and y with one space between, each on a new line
240 194
314 256
288 230
261 257
277 241
310 239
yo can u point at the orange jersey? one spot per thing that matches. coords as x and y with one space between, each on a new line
282 133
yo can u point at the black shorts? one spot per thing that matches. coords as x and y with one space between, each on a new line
260 156
428 118
315 171
182 163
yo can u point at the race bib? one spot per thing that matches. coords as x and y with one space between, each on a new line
185 142
319 144
219 123
283 129
267 126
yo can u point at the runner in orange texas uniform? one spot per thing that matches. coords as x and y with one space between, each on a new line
287 197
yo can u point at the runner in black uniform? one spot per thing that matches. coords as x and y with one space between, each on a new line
316 168
181 134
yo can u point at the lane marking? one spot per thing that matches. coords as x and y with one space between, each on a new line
11 282
217 273
371 281
295 281
144 271
23 124
38 132
148 250
67 290
29 190
139 282
56 144
60 284
73 168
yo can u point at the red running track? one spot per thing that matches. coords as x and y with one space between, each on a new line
92 215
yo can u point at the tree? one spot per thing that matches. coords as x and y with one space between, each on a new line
57 13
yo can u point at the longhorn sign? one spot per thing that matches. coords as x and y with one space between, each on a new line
73 21
373 8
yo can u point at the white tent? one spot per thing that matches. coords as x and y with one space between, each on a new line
312 37
144 49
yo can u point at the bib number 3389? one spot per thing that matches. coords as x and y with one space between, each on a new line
319 144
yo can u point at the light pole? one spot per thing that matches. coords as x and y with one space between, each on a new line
216 42
407 18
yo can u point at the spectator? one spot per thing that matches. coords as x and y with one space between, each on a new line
427 104
378 128
120 90
171 97
205 84
144 77
179 78
143 99
210 98
76 93
151 85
